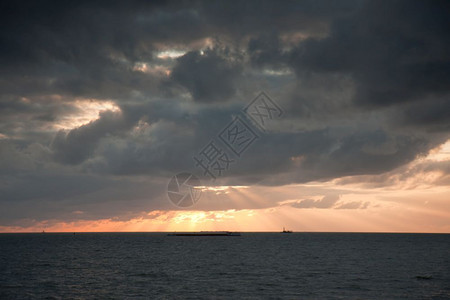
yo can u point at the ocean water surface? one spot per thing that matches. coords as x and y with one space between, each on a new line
252 266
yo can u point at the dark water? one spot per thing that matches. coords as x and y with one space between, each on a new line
255 265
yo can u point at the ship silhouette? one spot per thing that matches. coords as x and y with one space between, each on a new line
286 231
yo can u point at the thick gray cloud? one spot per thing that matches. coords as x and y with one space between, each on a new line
364 86
399 59
208 76
78 144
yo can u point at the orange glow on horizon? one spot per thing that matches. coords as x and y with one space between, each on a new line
403 206
391 217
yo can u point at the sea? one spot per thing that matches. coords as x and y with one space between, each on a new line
250 266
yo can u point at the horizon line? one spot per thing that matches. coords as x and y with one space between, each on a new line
189 231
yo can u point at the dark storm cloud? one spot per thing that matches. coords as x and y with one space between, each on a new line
397 52
61 195
364 84
373 152
325 154
432 116
245 18
84 48
401 56
266 51
78 144
427 172
208 76
89 47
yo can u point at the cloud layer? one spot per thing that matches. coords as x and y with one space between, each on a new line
101 103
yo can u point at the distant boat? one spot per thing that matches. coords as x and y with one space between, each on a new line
205 233
286 231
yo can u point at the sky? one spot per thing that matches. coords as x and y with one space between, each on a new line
102 103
